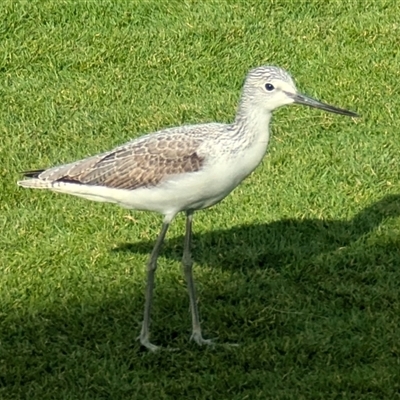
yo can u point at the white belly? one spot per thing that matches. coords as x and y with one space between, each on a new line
191 191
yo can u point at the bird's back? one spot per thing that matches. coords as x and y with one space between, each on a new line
144 161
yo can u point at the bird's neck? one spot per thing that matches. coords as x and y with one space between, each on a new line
251 125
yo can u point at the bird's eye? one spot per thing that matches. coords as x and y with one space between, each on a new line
269 87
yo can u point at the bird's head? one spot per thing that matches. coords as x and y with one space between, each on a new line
272 87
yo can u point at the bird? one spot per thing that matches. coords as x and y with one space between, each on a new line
182 169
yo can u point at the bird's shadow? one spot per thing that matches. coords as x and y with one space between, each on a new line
277 243
97 334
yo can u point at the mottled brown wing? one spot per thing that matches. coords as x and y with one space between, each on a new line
138 164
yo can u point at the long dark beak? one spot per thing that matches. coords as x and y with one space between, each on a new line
310 102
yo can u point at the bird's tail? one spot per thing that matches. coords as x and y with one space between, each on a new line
33 173
34 182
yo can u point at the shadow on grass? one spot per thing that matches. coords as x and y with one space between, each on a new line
313 303
278 243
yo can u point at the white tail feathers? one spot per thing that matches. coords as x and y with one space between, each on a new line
35 184
94 193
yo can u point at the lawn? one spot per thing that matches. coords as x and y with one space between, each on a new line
300 265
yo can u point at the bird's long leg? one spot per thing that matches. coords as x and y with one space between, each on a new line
187 269
151 269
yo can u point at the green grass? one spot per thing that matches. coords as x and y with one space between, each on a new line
300 265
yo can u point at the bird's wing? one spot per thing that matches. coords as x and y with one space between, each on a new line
140 163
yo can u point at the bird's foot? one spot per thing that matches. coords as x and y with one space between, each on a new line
198 338
145 342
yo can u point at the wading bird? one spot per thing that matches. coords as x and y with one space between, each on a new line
186 168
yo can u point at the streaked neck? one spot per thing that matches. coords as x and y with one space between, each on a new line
252 123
